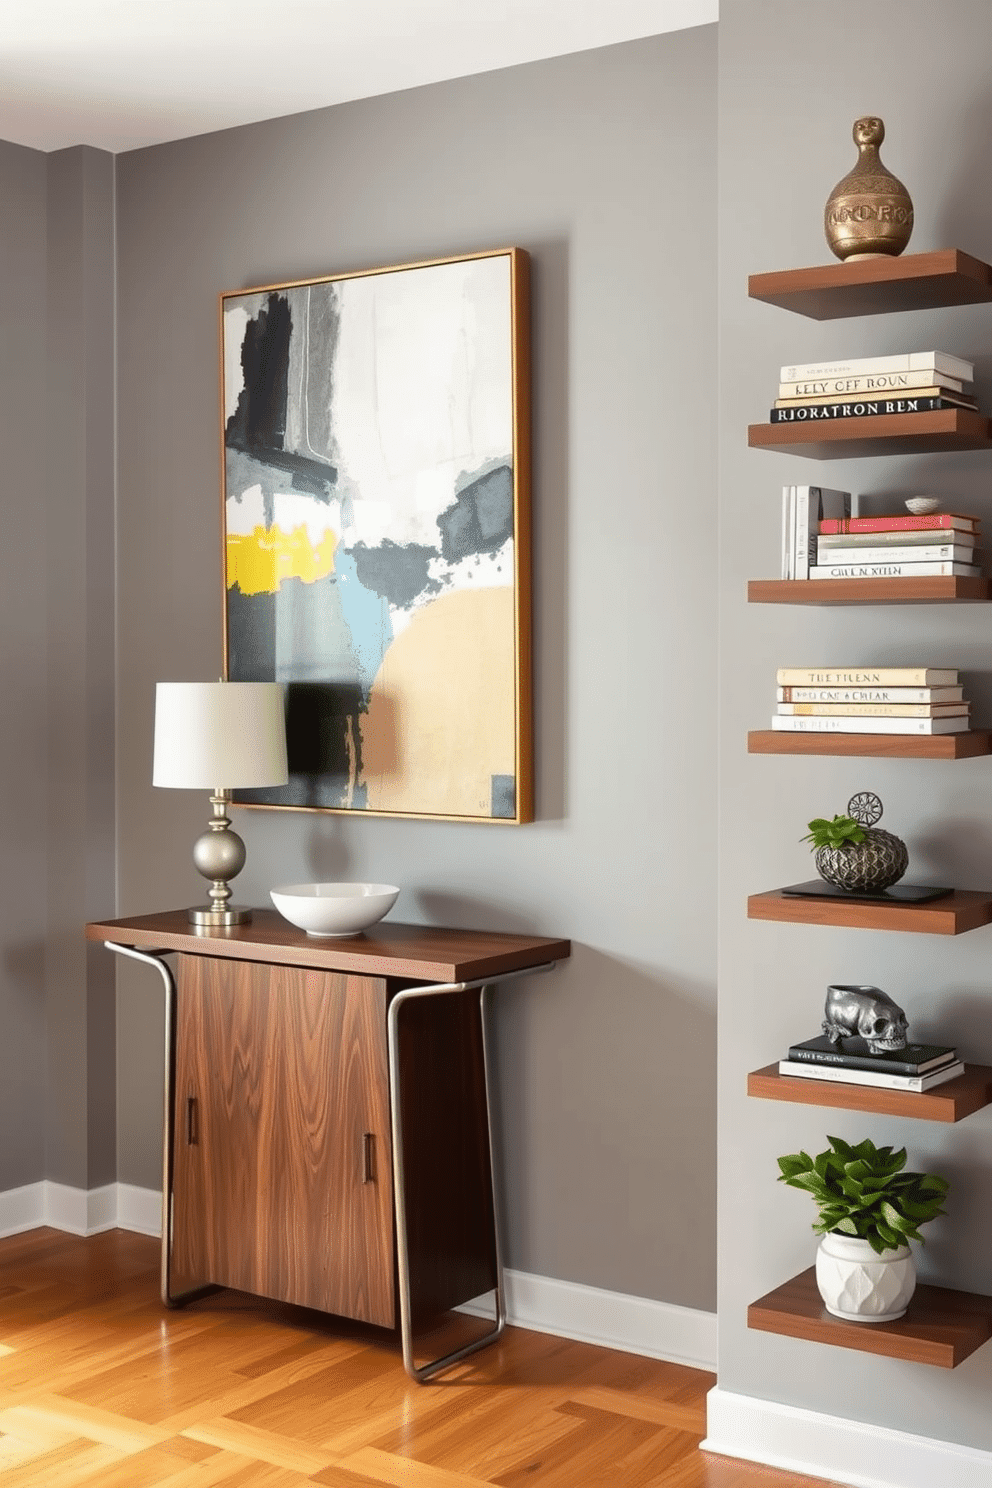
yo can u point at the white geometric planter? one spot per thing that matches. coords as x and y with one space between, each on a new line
860 1285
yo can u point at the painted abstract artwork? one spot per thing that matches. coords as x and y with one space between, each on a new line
376 533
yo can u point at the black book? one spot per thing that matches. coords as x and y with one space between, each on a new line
858 408
915 1059
900 893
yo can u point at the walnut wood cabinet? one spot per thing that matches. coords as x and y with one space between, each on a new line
282 1136
327 1140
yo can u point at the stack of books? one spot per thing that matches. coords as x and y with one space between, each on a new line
930 545
913 382
804 510
871 700
916 1068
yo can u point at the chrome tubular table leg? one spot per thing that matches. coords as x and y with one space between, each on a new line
410 994
154 958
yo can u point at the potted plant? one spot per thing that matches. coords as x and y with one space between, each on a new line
869 1208
852 853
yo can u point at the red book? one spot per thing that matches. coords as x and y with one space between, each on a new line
929 521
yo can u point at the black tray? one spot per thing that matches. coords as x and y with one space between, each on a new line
899 893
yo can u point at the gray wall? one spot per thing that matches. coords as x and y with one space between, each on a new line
81 1146
792 81
23 721
57 1077
605 1068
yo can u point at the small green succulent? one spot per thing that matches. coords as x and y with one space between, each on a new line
842 831
862 1191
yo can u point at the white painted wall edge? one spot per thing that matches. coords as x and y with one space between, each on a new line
635 1325
804 1441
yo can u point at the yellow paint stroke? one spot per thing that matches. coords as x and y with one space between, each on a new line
259 561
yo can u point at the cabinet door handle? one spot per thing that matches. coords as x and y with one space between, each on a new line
192 1133
368 1157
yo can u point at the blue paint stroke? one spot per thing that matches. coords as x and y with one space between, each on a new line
366 616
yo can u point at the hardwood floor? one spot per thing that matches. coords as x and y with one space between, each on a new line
102 1387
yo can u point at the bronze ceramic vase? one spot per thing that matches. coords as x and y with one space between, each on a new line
869 213
864 867
869 866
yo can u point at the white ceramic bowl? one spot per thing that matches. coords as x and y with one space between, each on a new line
334 908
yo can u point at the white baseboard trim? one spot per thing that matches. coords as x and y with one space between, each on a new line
65 1208
636 1325
79 1211
22 1209
139 1209
804 1441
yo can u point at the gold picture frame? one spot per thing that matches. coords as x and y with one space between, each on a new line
376 450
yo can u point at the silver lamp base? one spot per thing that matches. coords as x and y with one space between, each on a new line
234 914
219 854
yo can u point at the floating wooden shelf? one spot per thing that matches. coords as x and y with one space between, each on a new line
943 432
914 281
961 910
869 591
941 1326
968 745
951 1102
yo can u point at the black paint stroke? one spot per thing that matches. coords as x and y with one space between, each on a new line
259 421
480 520
258 424
323 742
323 734
397 572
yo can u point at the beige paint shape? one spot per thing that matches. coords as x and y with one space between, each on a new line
441 719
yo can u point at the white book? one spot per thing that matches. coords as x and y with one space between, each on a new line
878 382
814 504
909 361
918 553
843 1074
788 500
870 694
931 390
895 571
874 710
849 725
800 562
863 676
827 541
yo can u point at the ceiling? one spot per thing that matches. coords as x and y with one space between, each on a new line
121 74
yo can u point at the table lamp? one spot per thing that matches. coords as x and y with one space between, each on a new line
211 732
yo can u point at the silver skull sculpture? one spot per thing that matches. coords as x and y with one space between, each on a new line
865 1012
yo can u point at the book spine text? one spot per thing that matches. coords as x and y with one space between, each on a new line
894 571
862 408
878 382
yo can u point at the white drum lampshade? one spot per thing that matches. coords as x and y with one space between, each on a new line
219 736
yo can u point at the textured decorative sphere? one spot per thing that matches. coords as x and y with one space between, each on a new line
219 854
921 505
855 1282
874 864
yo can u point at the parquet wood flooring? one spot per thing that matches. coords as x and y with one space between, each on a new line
102 1387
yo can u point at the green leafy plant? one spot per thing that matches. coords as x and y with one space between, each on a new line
841 831
863 1191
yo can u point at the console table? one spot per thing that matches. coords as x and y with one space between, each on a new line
327 1134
